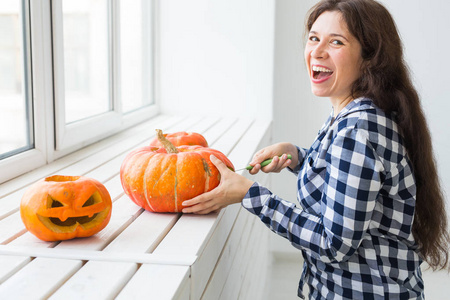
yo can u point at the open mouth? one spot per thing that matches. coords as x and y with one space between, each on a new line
319 73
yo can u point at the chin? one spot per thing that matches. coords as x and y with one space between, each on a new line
320 93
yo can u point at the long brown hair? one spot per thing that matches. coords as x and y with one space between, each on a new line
385 79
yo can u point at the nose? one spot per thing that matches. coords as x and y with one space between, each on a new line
319 51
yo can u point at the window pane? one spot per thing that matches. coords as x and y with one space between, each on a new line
86 58
15 133
135 54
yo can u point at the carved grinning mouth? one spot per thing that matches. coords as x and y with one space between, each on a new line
73 220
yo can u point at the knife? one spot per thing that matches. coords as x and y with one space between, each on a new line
263 164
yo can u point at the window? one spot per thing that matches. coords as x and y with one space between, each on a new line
72 72
16 133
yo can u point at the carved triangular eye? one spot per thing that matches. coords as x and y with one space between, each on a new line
89 202
52 203
56 203
93 199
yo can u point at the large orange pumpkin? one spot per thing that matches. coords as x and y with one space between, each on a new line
160 179
64 207
182 138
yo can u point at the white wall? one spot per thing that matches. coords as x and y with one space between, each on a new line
216 57
298 115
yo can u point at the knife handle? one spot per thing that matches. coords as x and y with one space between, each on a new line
266 162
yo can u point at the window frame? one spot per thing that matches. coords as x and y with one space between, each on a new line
70 137
53 138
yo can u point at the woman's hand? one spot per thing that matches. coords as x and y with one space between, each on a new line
231 189
278 162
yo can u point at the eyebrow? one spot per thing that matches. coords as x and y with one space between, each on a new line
332 34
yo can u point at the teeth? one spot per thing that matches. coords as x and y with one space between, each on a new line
320 69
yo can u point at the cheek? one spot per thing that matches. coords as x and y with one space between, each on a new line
350 66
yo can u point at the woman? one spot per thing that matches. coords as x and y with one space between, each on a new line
372 207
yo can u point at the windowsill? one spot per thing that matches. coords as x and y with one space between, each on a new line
138 253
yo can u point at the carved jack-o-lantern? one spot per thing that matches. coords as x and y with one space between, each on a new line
65 207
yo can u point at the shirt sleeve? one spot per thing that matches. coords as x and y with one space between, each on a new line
351 185
301 156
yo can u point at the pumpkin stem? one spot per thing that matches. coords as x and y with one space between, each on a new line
170 148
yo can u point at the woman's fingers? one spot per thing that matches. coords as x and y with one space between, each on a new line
220 165
277 164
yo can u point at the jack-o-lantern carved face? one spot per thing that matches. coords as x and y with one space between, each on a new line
64 207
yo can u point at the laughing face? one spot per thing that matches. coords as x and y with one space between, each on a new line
333 59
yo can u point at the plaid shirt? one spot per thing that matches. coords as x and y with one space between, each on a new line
357 194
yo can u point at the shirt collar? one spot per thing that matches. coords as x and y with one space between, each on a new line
356 105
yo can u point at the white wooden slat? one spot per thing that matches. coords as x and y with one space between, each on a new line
29 240
232 136
95 283
261 268
245 251
202 269
213 133
95 255
10 228
225 261
183 126
234 281
10 265
114 187
158 282
109 169
38 279
205 124
203 236
12 185
253 283
145 233
190 230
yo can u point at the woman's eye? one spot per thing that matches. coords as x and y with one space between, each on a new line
337 42
313 39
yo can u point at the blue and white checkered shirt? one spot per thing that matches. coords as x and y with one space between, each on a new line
357 194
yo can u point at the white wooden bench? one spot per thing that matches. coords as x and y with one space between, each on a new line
141 255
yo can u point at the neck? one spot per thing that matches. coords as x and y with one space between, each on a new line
339 104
